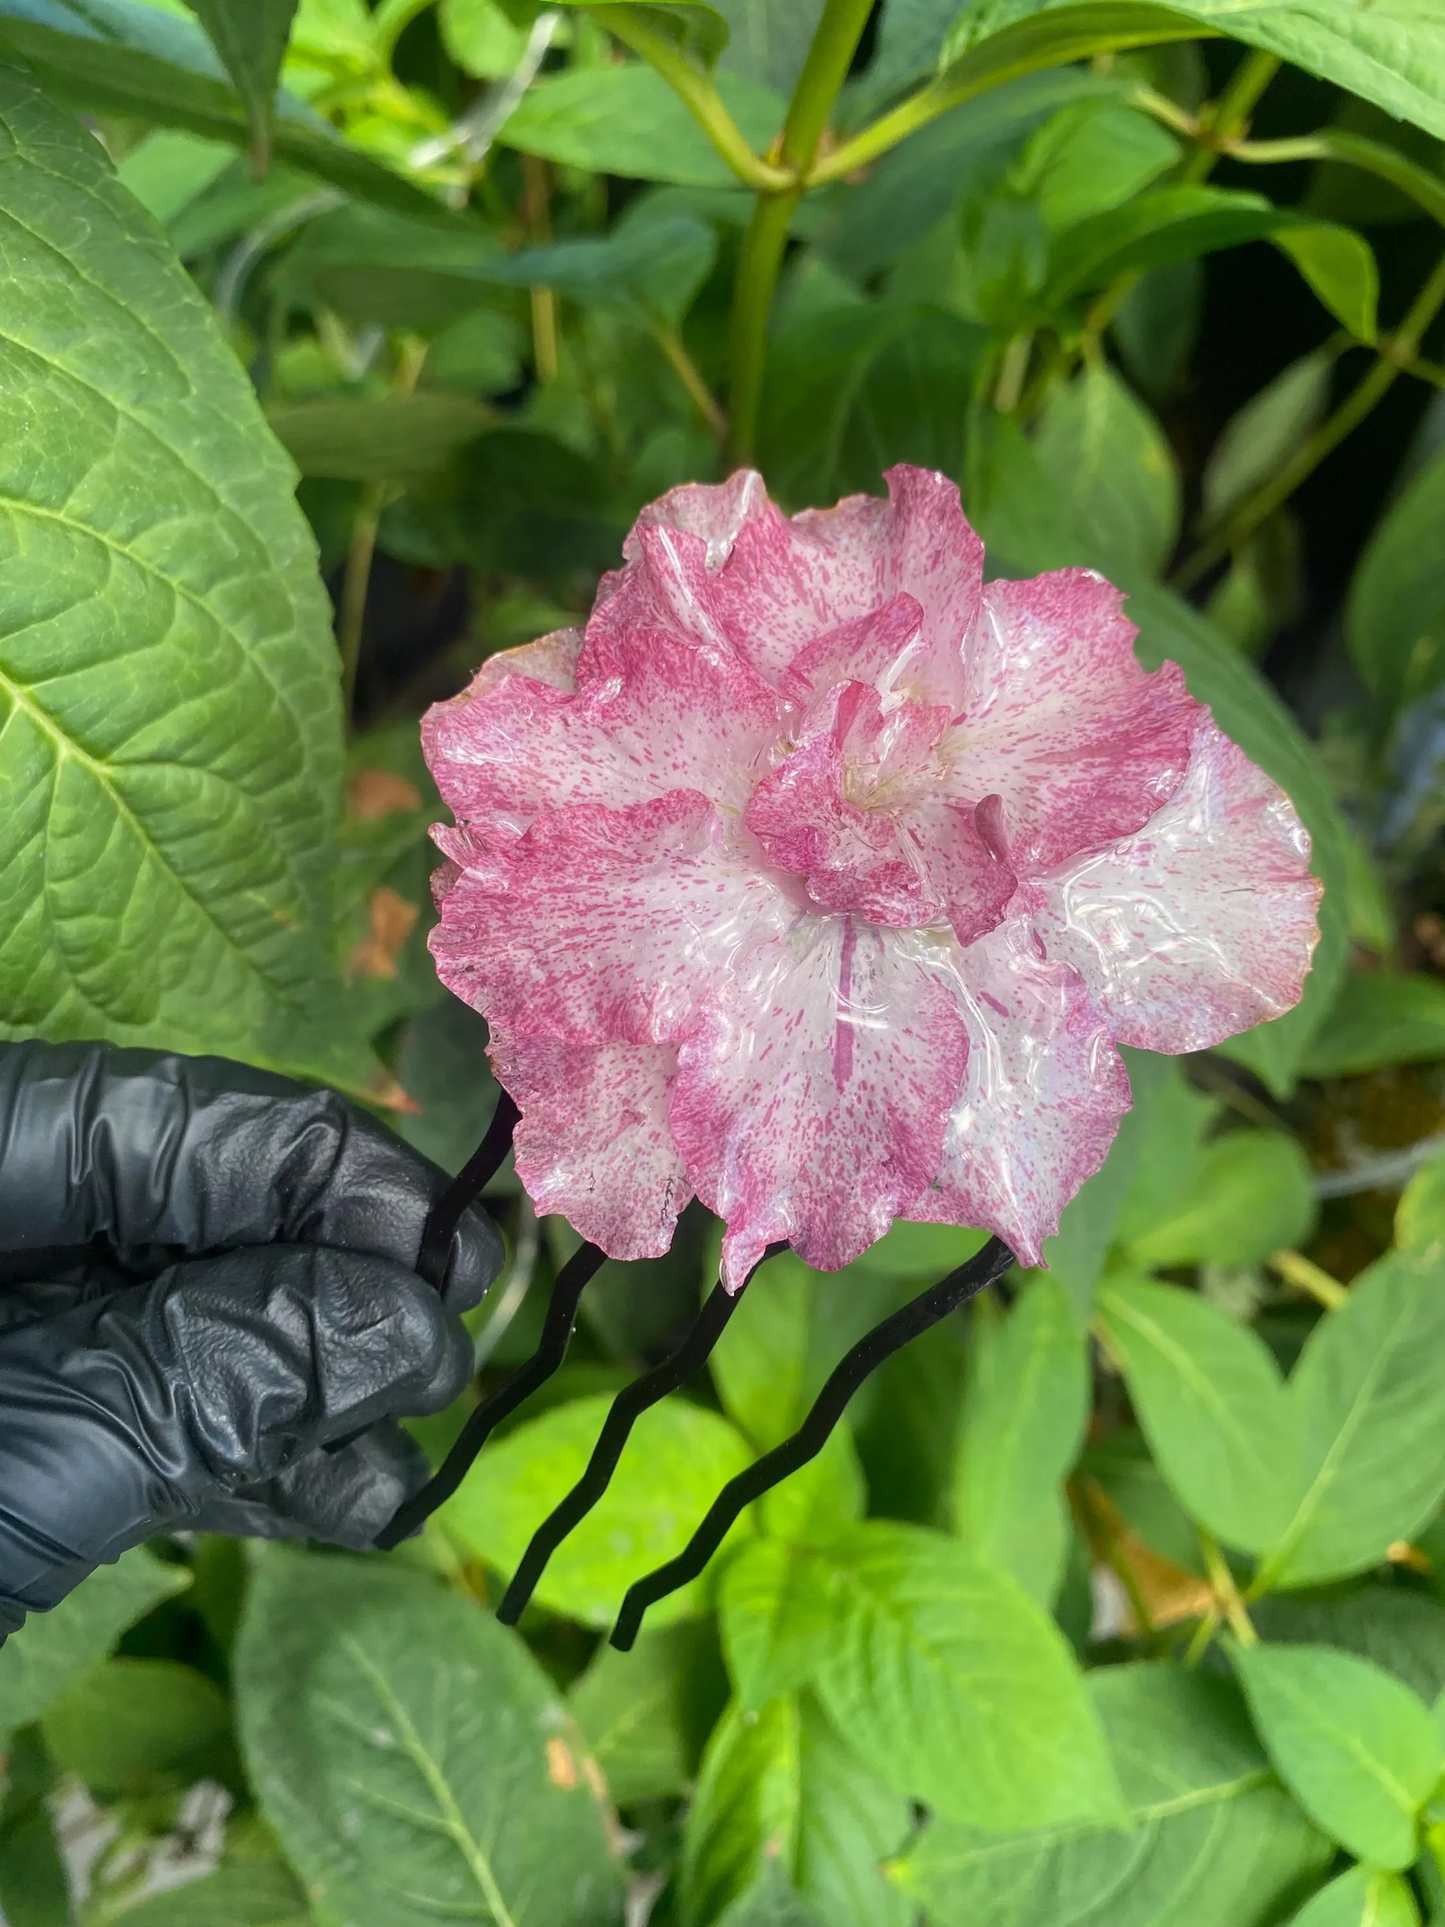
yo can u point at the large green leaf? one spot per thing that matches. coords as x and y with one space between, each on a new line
631 1708
768 42
1369 1401
168 682
1380 1018
676 1461
412 1756
1023 1424
627 120
400 438
1209 1397
1391 53
851 390
251 40
778 1605
1257 442
1357 1748
1420 1214
1395 617
1111 458
1363 1897
1249 1196
246 1891
124 57
52 1650
781 1785
956 1687
138 1725
1395 1626
1214 1839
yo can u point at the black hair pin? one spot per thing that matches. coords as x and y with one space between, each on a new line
690 1358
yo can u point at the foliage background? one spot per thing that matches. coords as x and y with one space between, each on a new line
1120 1600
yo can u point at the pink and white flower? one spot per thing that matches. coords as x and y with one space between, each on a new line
819 879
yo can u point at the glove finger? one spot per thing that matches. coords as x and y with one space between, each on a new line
343 1497
196 1154
138 1408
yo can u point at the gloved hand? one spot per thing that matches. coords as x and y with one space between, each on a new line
205 1278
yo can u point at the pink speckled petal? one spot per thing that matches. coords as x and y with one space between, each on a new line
1061 722
1203 923
965 860
712 511
654 713
550 659
599 926
879 649
593 1142
811 1100
1041 1101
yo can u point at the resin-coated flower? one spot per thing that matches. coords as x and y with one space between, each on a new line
820 880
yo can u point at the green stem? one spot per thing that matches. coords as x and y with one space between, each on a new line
1373 157
351 616
834 43
1225 1590
691 377
1396 355
758 264
1005 56
391 20
1231 112
697 93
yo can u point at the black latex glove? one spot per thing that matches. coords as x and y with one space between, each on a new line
206 1278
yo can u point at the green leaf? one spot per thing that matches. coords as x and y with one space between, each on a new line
778 1607
1340 266
411 1755
1393 53
1380 1019
1363 1897
401 438
1023 1424
696 26
138 1725
1210 1400
481 39
1398 1628
1171 1148
850 391
168 170
771 1903
910 37
249 1892
1357 1749
1249 712
168 680
1121 1466
250 36
934 1660
1250 1195
124 57
1395 616
1420 1214
678 1458
768 43
651 266
1214 1840
1090 158
631 1712
1369 1401
1110 455
1256 443
53 1650
627 120
34 1890
780 1785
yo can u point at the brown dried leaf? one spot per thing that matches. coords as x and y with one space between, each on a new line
374 793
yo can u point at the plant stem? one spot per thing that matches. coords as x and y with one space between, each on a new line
536 217
1302 1272
391 20
1396 354
1203 1633
697 93
1225 1590
1231 111
690 375
826 68
351 615
1353 150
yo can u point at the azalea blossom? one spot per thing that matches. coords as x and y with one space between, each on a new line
819 879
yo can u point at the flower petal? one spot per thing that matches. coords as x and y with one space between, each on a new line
811 1099
550 659
599 926
653 713
1061 722
593 1142
1041 1100
1203 923
732 570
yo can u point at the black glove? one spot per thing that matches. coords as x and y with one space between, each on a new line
205 1278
